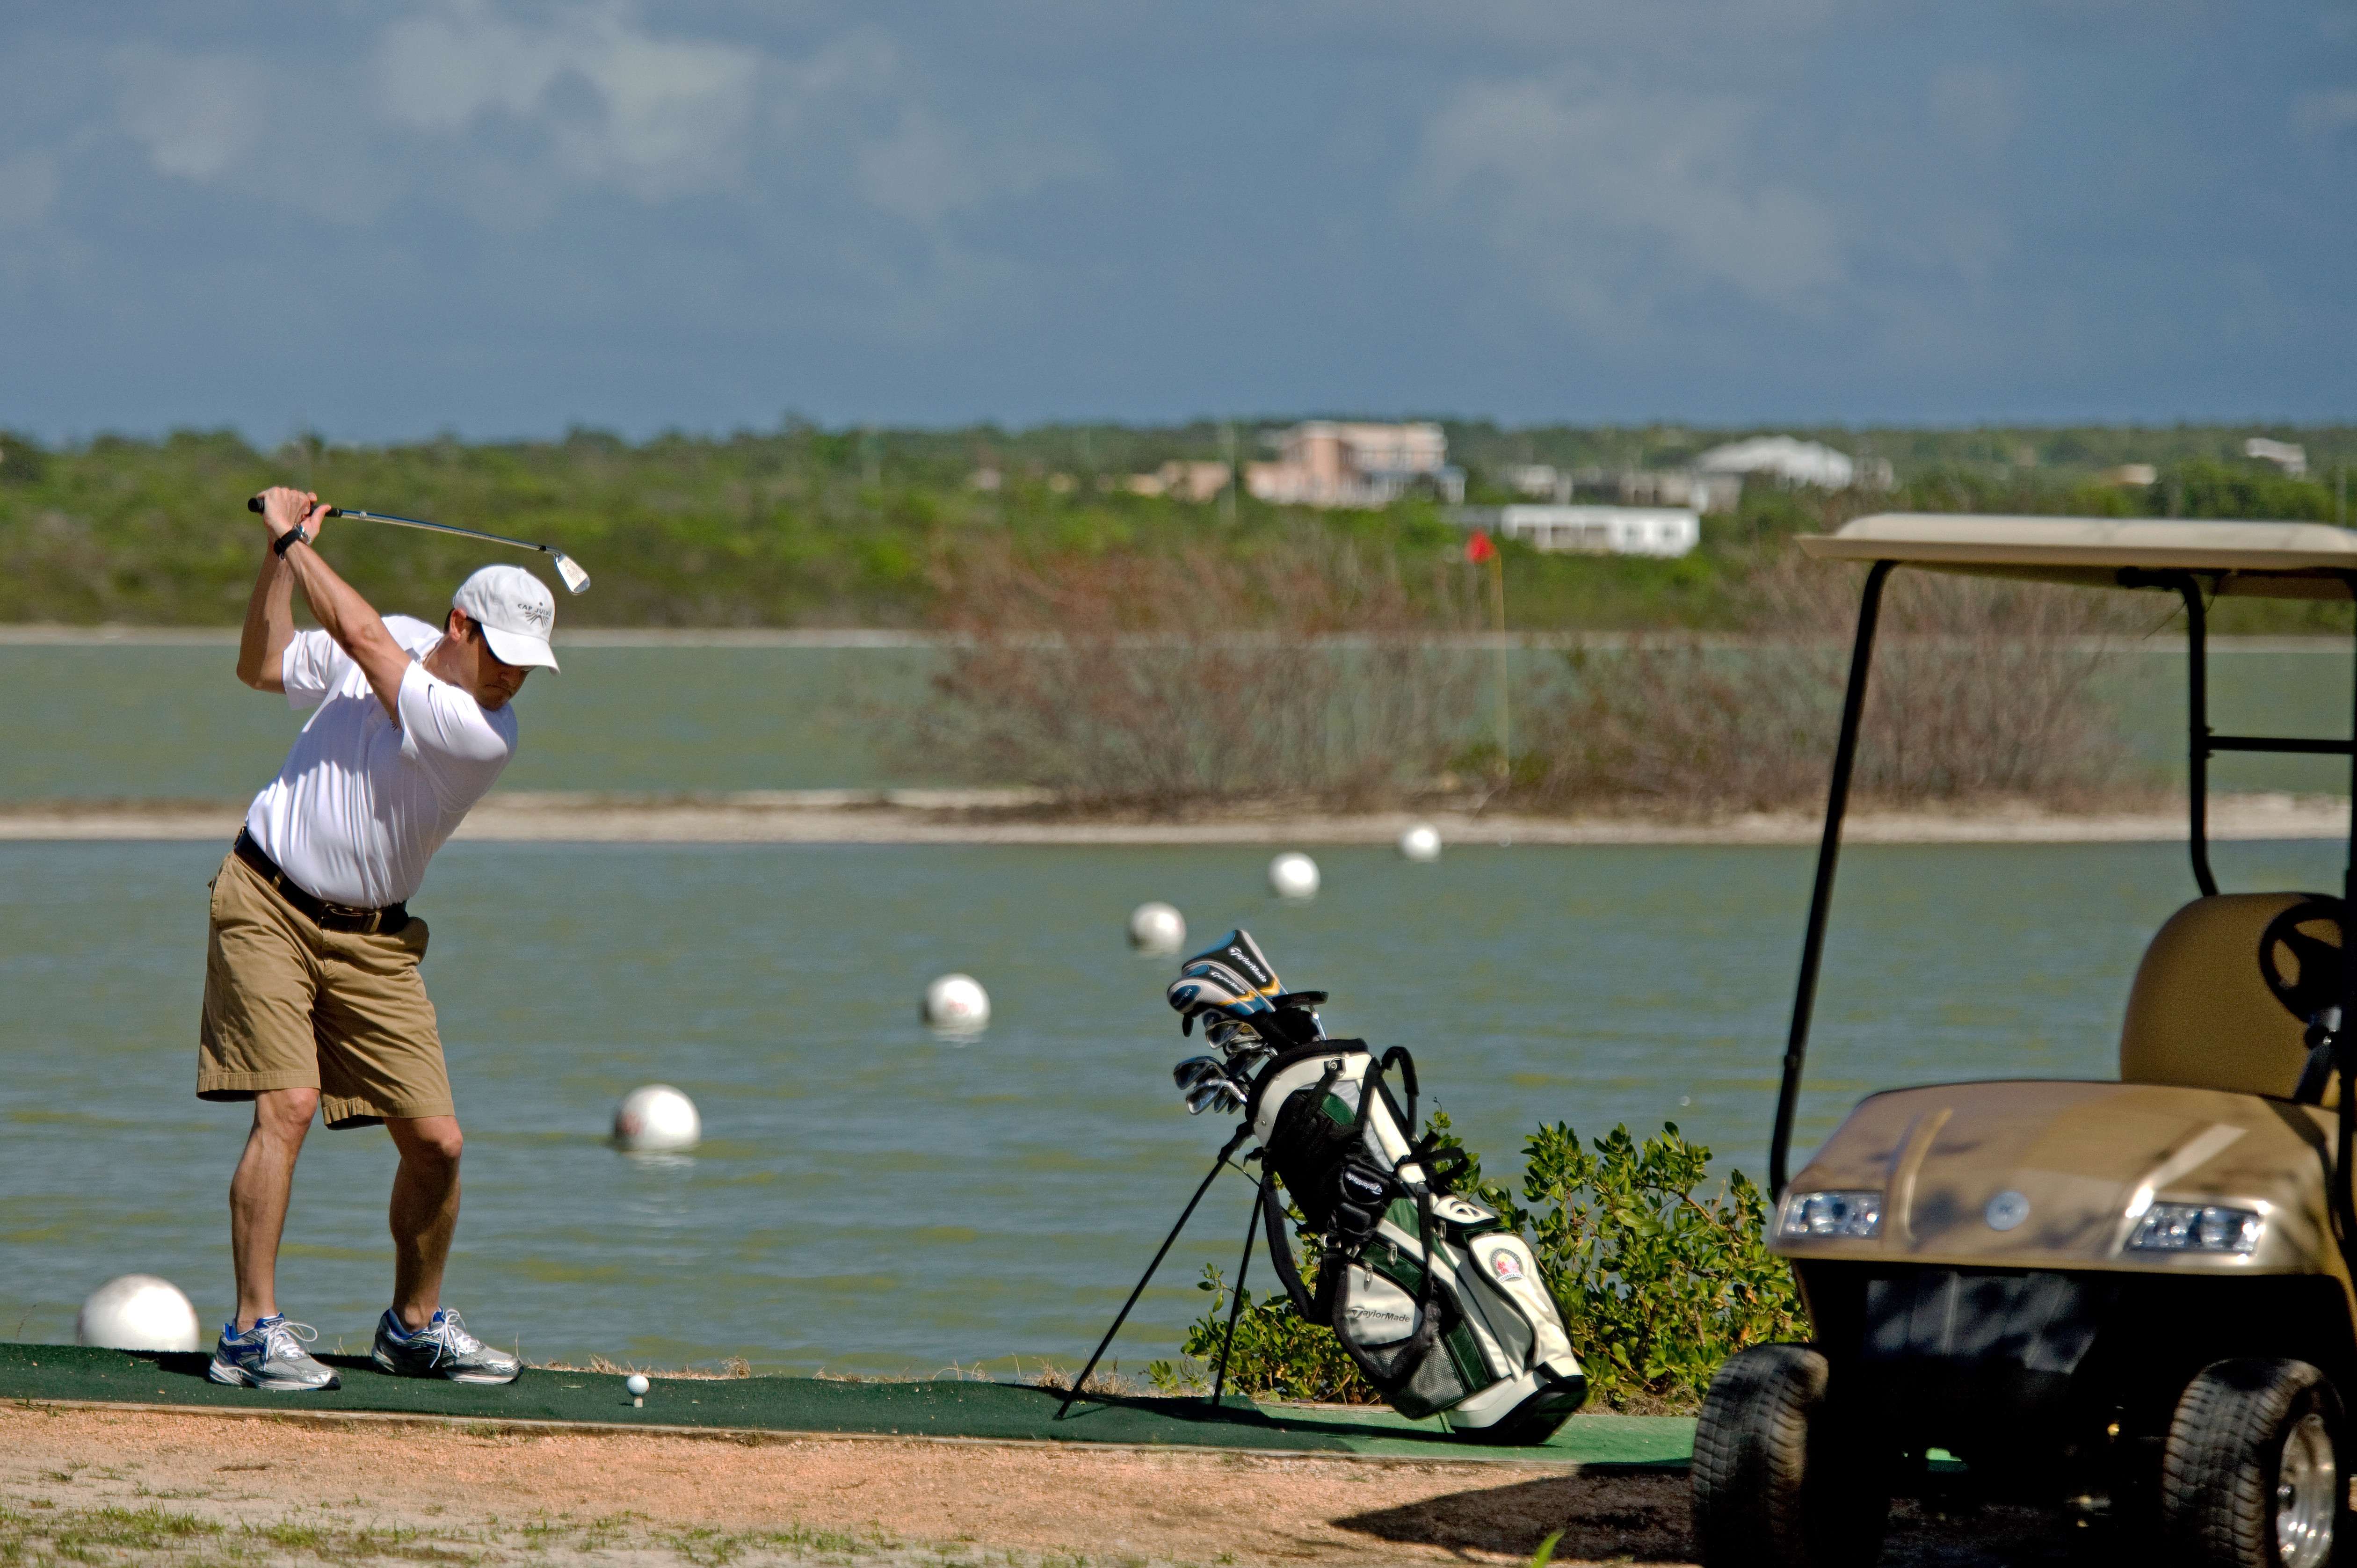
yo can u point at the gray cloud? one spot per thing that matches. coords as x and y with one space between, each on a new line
197 116
657 116
1607 199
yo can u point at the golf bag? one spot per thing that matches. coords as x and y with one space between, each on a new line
1434 1297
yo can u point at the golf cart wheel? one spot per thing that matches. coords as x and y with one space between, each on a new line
1781 1480
2251 1473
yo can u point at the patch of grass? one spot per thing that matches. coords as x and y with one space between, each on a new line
608 1530
709 1548
112 1535
76 1533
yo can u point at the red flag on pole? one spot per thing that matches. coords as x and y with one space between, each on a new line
1478 549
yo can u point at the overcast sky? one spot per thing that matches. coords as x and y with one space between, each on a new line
496 217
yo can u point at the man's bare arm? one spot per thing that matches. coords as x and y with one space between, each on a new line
270 609
342 614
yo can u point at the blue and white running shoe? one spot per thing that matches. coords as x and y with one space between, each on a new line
443 1348
270 1355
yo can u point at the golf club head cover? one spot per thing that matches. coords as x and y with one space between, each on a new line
1230 980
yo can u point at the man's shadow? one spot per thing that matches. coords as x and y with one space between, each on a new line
1627 1516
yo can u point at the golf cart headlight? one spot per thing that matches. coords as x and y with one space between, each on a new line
2197 1228
1852 1214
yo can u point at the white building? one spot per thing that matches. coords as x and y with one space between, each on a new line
2288 456
1793 462
1592 529
1326 463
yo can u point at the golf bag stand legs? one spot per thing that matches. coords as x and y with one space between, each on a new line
1122 1317
1236 1297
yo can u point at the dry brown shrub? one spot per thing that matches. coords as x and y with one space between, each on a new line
1157 681
1980 689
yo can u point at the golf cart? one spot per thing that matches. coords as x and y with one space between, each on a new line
2131 1298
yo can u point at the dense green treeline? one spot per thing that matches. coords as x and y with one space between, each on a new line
803 526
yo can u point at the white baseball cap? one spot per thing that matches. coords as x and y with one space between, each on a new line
515 610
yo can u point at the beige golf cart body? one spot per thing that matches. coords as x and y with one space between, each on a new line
2008 1307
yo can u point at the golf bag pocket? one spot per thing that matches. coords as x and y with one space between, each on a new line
1435 1300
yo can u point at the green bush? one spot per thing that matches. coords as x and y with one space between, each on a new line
1658 1283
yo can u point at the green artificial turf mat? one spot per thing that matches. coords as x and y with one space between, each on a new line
923 1409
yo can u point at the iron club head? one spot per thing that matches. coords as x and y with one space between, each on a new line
576 579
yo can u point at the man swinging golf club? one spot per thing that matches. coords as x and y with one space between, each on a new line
312 996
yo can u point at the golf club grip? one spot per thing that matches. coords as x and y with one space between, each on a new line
253 504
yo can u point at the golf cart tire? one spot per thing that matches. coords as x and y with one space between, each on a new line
1778 1481
2220 1468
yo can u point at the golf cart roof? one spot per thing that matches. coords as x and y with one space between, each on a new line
2272 560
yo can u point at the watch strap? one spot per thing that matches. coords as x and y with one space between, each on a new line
288 540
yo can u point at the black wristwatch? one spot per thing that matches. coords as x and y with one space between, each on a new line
288 540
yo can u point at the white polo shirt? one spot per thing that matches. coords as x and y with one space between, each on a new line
362 803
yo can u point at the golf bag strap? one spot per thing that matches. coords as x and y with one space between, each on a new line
1407 1082
1280 1256
1441 1166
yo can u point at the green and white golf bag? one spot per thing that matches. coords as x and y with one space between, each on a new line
1436 1298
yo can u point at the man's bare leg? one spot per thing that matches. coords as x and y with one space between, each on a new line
424 1212
258 1195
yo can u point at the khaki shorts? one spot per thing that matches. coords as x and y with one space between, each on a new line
288 1005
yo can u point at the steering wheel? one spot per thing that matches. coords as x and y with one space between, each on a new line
2314 991
2316 982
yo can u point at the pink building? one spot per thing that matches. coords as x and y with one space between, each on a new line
1325 463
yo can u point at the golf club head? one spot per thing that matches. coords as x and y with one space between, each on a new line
1205 1085
576 579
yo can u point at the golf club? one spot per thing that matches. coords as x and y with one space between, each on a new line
576 579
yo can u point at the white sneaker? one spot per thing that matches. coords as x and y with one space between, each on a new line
443 1348
270 1355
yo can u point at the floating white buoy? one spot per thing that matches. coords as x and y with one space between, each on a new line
139 1312
656 1119
1157 928
957 1005
1421 842
1293 875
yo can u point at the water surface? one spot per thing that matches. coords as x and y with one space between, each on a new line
872 1198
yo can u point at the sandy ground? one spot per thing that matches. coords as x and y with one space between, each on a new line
141 1488
948 816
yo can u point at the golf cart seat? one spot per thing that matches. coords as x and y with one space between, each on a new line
2200 1013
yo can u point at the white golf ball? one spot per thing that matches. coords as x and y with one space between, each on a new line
1157 928
636 1383
656 1119
1293 875
1421 842
957 1005
139 1312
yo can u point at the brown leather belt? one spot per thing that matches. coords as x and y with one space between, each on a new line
327 917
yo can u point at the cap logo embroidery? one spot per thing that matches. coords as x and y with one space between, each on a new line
534 615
